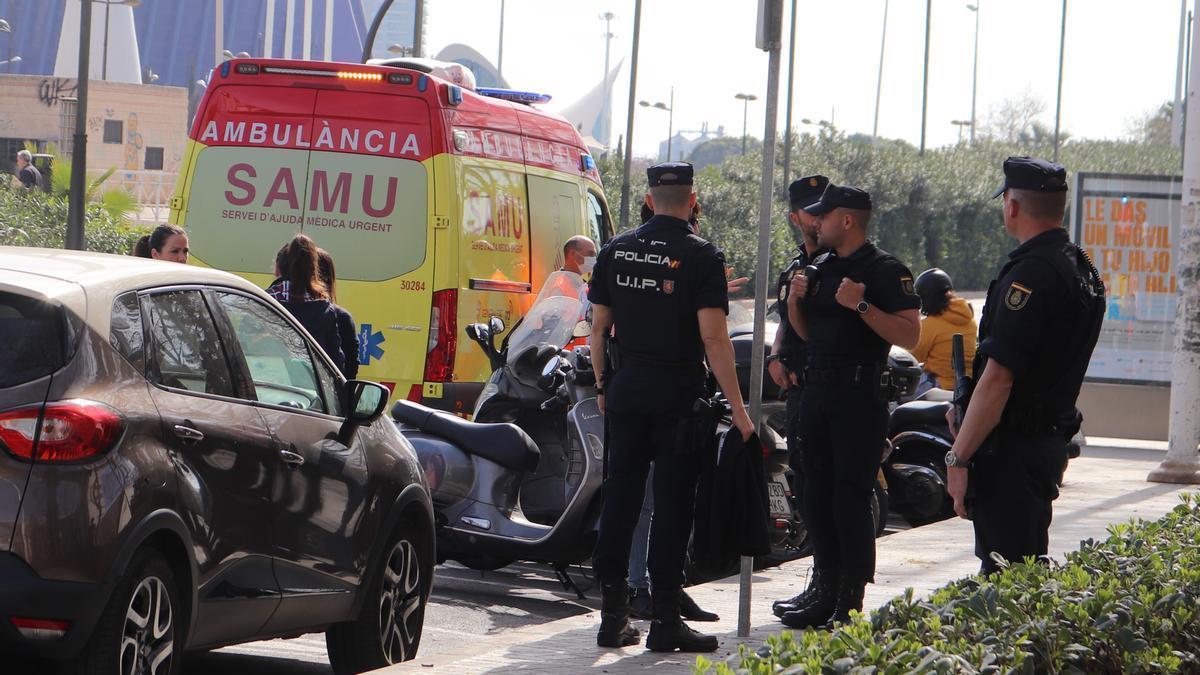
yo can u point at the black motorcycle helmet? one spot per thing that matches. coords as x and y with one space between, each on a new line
931 287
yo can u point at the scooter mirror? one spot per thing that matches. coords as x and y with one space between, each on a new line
496 324
549 373
476 332
582 329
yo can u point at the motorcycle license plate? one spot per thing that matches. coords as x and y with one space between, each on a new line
777 497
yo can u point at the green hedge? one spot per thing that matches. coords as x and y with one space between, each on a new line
1130 604
32 218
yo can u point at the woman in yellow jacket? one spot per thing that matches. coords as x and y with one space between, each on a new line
945 313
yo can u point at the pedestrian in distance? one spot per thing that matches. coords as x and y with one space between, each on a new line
859 302
300 289
663 291
1040 324
943 314
168 242
347 331
28 174
785 364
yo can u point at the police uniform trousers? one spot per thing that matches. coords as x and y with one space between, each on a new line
1012 486
794 444
843 427
634 441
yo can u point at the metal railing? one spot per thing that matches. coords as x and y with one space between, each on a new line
152 189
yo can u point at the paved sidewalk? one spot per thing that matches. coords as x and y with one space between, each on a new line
1105 486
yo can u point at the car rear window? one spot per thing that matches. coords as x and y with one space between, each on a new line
32 343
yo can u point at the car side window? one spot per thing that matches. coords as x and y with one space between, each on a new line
125 330
277 356
187 351
599 228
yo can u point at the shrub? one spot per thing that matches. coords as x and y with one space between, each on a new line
1130 604
33 218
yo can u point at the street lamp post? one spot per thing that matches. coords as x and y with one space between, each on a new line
107 7
500 55
606 105
75 208
960 124
633 63
670 108
925 78
879 79
974 68
1062 45
745 99
787 124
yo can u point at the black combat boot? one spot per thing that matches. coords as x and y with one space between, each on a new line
817 611
781 607
669 633
689 610
615 630
849 597
640 606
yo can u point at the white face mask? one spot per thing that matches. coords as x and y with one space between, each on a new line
589 261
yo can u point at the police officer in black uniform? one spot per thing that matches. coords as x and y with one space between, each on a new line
786 361
662 291
1037 333
860 301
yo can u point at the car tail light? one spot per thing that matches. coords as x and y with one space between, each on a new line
40 629
64 431
443 336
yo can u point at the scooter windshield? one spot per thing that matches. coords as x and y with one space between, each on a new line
552 318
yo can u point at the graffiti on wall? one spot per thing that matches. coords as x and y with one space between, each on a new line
51 90
133 143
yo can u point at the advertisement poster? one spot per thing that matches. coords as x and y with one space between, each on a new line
1129 225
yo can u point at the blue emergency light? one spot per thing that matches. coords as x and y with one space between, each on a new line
526 97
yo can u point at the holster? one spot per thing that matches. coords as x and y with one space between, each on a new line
697 428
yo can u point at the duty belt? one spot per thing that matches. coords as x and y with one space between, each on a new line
852 375
1035 421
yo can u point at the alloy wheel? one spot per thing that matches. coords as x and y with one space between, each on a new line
148 637
400 602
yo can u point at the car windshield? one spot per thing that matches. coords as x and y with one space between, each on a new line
551 320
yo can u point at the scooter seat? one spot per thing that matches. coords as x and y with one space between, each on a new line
505 444
918 414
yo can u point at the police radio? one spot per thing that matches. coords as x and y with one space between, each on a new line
810 273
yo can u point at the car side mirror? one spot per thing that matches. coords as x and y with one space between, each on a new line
367 400
582 329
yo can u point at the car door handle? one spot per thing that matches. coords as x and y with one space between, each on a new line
188 435
290 458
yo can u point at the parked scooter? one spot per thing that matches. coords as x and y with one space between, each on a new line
522 480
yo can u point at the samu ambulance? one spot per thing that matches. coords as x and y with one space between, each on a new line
441 204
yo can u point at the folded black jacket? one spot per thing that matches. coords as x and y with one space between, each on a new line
731 507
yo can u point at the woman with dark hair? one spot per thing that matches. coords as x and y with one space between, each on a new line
168 242
141 248
300 289
346 328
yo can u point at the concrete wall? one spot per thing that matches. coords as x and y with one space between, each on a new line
31 108
1125 411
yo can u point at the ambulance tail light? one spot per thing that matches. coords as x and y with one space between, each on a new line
443 336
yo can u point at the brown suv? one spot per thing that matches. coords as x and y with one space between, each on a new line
182 467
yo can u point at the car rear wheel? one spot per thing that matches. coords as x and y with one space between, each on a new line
388 627
139 632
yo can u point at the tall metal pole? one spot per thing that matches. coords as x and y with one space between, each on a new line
787 124
606 106
500 55
633 63
75 238
879 79
745 118
1180 65
219 32
104 60
670 123
975 71
925 79
1062 46
766 196
268 50
418 29
1182 464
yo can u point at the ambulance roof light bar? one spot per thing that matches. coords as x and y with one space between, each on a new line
525 97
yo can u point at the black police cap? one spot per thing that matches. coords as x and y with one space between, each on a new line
669 173
1031 173
806 191
840 196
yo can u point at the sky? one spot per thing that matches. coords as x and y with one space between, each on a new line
1120 60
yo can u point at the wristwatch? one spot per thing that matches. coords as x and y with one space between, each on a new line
862 307
953 460
772 357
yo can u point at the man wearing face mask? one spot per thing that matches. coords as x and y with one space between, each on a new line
860 301
579 255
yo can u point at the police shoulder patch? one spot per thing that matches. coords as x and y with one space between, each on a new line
906 283
1017 296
